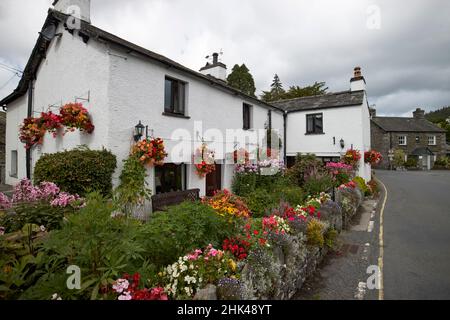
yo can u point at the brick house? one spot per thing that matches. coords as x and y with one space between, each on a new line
416 136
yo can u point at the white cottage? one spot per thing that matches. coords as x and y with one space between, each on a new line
328 125
122 84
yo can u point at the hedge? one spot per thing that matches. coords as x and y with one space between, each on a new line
78 171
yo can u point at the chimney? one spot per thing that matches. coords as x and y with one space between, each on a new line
78 8
358 82
373 112
419 114
215 69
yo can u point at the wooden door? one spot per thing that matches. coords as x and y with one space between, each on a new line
214 181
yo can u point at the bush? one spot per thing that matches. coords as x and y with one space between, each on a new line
244 183
303 164
315 233
103 247
79 171
183 228
261 202
442 163
399 158
362 185
317 181
411 163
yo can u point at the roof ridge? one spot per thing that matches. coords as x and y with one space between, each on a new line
317 96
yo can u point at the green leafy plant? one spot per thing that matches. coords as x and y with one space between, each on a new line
103 247
361 183
185 227
411 163
132 190
78 171
399 158
315 233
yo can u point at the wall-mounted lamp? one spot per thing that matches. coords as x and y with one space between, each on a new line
138 131
5 107
342 142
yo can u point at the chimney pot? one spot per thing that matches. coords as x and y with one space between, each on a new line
357 72
215 58
358 82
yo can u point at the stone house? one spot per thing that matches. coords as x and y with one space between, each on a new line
416 136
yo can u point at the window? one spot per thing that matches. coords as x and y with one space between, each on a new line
174 96
314 123
247 115
432 140
402 140
170 178
14 163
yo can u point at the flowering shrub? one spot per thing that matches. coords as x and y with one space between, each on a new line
247 168
64 200
271 167
150 151
352 158
255 234
237 247
228 205
191 272
5 202
204 161
341 172
276 224
75 116
131 291
372 157
349 185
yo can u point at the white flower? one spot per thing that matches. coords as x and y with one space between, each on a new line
42 228
125 296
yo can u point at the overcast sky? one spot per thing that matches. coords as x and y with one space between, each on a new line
404 55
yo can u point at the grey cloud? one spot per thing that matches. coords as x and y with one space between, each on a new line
406 62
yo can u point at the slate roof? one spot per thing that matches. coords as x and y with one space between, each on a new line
92 32
330 100
422 152
396 124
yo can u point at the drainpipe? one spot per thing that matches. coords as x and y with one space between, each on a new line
285 114
29 114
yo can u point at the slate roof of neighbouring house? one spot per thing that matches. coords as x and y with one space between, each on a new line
422 152
89 31
396 124
330 100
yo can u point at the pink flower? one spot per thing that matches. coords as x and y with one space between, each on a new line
126 296
2 231
121 285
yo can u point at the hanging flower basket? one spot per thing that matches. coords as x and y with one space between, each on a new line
75 116
151 152
241 156
372 157
50 122
31 132
352 158
204 160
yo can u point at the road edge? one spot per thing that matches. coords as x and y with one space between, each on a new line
381 242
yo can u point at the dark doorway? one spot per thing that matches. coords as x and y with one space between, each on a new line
214 181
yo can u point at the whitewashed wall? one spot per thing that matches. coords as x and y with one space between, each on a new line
17 111
136 93
125 89
72 69
347 123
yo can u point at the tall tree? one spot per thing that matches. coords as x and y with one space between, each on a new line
241 79
276 92
316 89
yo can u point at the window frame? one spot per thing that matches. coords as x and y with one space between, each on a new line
434 140
14 172
314 130
405 138
247 120
180 87
183 178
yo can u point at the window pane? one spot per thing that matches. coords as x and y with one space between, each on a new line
169 178
319 124
246 114
309 124
168 95
179 107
